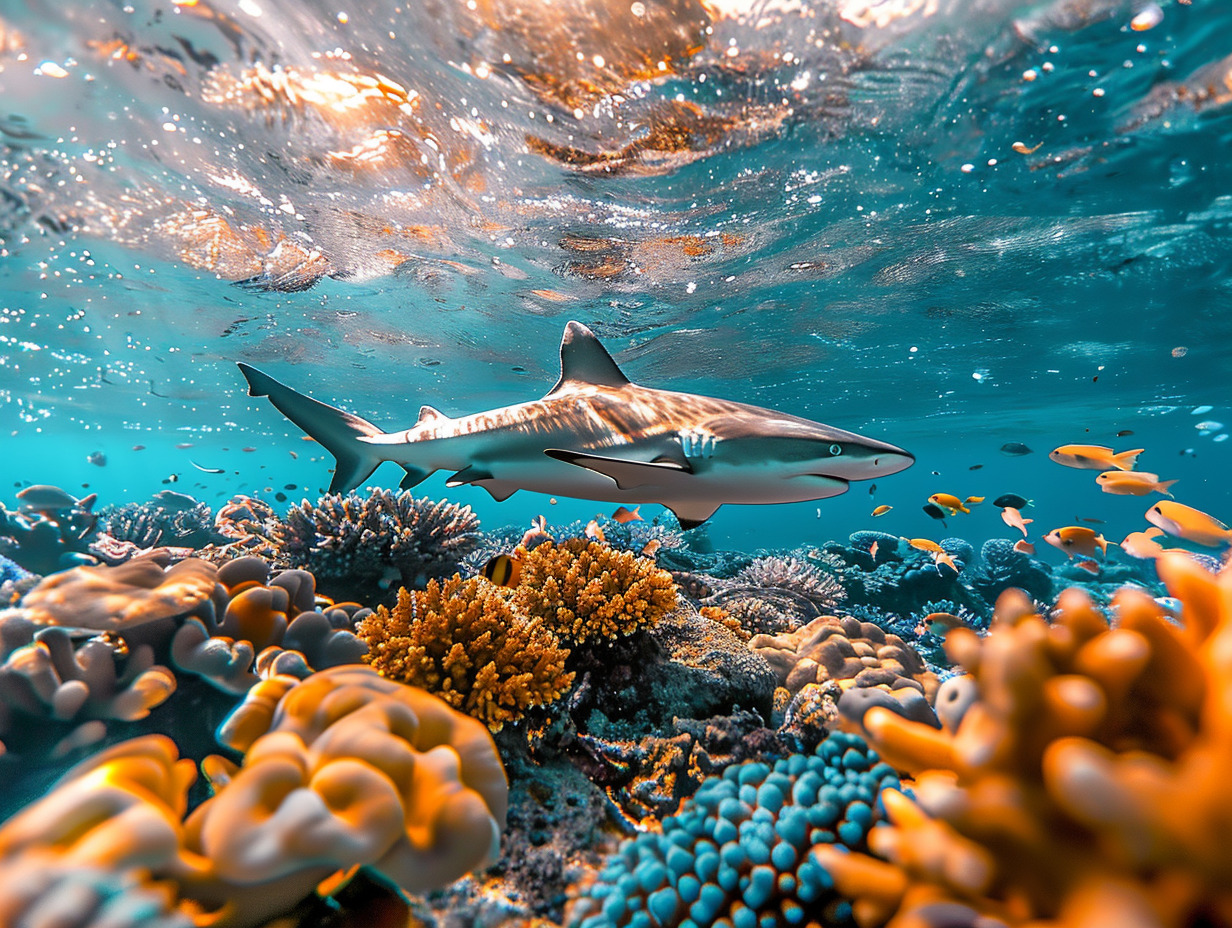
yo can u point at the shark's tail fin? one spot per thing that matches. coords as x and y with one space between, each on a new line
338 432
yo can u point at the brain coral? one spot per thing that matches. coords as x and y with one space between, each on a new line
585 590
462 641
738 853
356 545
1082 776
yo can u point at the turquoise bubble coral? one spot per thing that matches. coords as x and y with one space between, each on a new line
738 854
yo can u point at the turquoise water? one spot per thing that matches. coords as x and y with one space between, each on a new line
971 224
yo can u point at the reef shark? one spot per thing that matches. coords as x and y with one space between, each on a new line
596 435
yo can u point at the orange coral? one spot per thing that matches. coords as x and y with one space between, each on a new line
1081 777
586 589
463 642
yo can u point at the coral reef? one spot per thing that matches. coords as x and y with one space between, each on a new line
790 573
1001 567
1081 775
462 641
341 770
50 530
588 590
738 852
260 626
365 547
172 520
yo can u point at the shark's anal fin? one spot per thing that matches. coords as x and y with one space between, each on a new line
626 474
414 477
693 513
482 477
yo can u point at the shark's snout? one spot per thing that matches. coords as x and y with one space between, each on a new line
868 460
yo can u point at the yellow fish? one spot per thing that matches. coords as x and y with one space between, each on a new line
924 544
1132 483
1143 544
953 503
881 511
503 570
1191 524
1095 457
1077 539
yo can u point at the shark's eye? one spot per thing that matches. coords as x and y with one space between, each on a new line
836 450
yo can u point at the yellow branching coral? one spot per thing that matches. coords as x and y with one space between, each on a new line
463 642
1081 777
585 589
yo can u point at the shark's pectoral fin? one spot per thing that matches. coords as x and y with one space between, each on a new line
414 476
693 513
475 475
627 474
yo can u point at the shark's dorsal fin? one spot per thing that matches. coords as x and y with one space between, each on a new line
430 414
583 360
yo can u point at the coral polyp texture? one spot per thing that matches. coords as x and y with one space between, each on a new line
587 590
739 853
341 770
1080 778
462 641
362 546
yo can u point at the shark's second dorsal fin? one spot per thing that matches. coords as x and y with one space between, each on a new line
430 414
583 360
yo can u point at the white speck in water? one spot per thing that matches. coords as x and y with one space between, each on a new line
1200 410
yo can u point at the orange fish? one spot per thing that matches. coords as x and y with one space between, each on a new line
503 570
1077 539
1022 546
924 544
872 550
594 532
1191 524
1143 544
652 547
1095 457
953 503
1013 518
1089 565
943 620
537 532
944 557
1132 483
881 511
623 515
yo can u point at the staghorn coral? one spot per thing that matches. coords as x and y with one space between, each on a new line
738 852
586 590
1001 567
463 642
855 654
170 520
798 576
260 626
357 546
1081 778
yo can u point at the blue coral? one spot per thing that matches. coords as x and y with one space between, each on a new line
1003 567
738 852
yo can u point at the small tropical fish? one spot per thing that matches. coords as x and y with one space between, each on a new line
1015 449
42 497
503 570
953 503
1089 565
138 447
1093 521
184 444
1132 483
173 501
872 488
294 456
537 532
1124 433
944 557
97 458
872 550
207 470
1022 546
925 544
1011 501
248 450
1143 545
1095 457
288 486
280 496
651 548
171 478
1077 539
881 510
941 622
1191 524
975 467
934 512
624 515
1013 518
594 532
